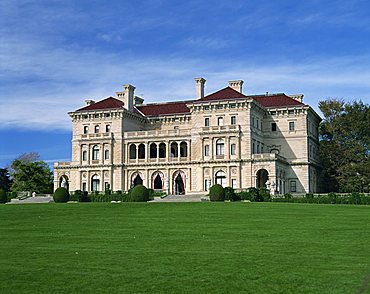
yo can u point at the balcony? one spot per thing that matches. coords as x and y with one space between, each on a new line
95 136
157 133
221 129
62 163
267 156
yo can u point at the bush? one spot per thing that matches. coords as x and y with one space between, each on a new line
264 195
3 196
61 195
230 194
139 194
217 193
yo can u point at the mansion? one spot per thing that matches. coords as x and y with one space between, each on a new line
225 137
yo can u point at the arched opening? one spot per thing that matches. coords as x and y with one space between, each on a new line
174 149
132 151
179 183
220 147
162 150
136 179
183 149
63 182
157 181
95 152
262 178
220 178
95 183
141 151
153 150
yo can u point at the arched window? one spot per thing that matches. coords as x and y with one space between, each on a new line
162 150
262 177
136 179
95 182
153 150
86 129
183 149
106 154
174 149
132 151
95 152
157 180
220 147
107 128
96 129
141 151
220 178
84 155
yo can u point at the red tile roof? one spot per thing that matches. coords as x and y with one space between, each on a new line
276 100
107 103
272 100
226 93
164 108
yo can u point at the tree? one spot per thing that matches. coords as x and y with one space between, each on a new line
345 145
32 176
5 181
25 158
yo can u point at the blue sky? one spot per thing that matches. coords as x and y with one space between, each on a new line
55 54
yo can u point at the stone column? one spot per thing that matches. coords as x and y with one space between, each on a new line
227 147
147 152
178 149
212 148
157 152
137 153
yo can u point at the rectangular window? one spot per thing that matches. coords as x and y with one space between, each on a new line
293 186
84 155
106 154
291 126
220 121
258 124
206 185
206 122
107 128
96 130
83 186
253 147
86 129
253 121
233 120
106 186
233 183
262 147
273 127
206 150
258 147
232 149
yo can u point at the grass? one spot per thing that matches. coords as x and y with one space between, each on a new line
184 248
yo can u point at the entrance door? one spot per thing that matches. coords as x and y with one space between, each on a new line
179 185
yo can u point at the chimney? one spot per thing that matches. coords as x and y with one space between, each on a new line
138 100
298 97
236 85
127 96
89 102
199 87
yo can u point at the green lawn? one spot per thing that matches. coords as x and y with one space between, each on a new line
184 248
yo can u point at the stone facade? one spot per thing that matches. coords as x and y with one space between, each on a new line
182 147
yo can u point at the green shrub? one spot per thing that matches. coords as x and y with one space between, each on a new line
139 194
3 196
61 195
244 195
263 195
217 193
230 194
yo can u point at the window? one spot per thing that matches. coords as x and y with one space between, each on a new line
233 183
293 186
258 124
107 128
258 147
95 183
220 147
291 126
253 121
232 149
220 121
84 155
86 129
206 150
262 147
106 154
273 127
206 185
95 152
96 129
233 120
206 122
220 178
253 147
83 186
